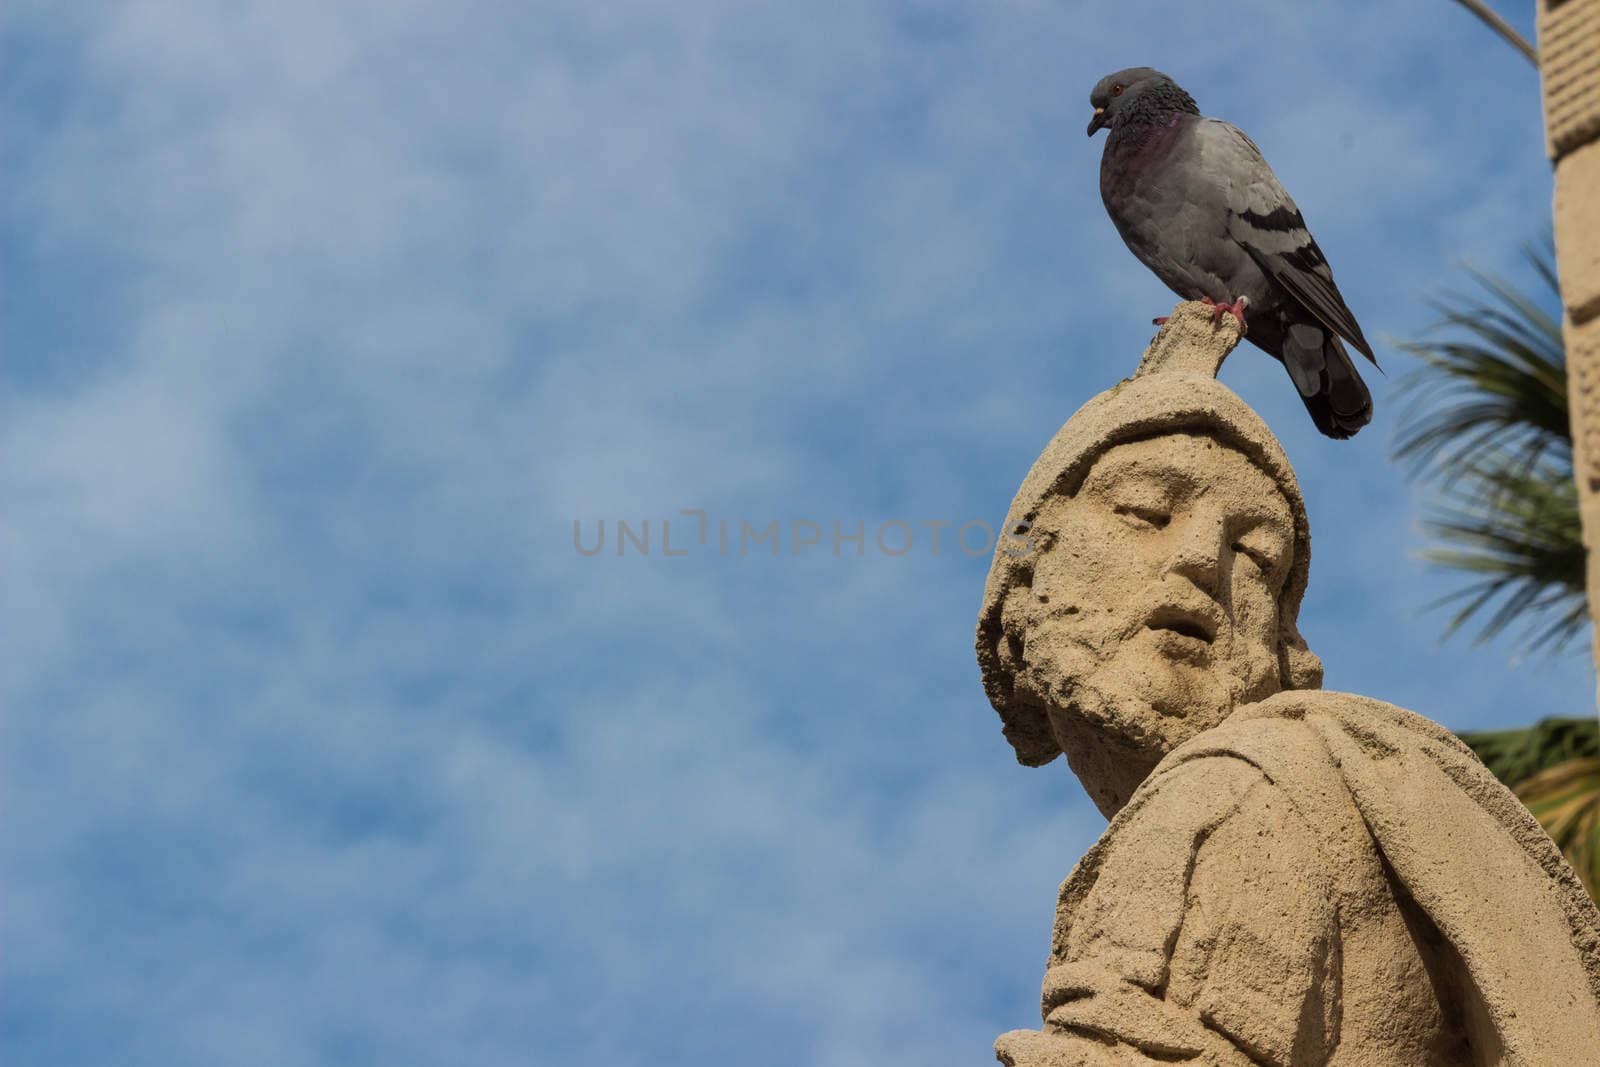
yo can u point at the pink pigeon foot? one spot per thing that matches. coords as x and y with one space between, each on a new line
1236 309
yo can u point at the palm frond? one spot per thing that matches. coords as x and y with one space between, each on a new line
1554 768
1565 799
1487 424
1515 532
1496 380
1516 755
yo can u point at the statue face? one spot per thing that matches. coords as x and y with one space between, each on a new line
1153 611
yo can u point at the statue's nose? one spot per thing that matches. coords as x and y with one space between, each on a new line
1196 551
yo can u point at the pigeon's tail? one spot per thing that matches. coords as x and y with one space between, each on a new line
1328 383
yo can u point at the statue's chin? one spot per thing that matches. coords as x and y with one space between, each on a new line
1147 702
1115 721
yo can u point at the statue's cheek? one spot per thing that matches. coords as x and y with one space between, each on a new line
1255 604
1255 636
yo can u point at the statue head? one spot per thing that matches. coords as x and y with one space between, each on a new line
1151 576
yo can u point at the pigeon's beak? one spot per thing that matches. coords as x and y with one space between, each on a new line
1098 121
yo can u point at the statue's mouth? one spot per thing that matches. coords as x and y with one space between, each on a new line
1187 623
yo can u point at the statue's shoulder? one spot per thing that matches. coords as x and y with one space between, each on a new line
1318 745
1380 727
1288 727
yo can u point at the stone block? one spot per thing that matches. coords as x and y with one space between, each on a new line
1569 61
1577 216
1583 365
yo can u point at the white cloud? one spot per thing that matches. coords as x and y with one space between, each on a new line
338 750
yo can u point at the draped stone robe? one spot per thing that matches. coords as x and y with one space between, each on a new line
1323 879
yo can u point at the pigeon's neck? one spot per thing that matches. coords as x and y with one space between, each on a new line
1138 146
1155 107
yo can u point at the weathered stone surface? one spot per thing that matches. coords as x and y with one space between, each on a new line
1577 222
1569 63
1583 397
1569 47
1174 391
1291 877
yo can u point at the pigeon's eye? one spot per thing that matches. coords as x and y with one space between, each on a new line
1116 90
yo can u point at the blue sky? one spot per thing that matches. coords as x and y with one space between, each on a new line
324 322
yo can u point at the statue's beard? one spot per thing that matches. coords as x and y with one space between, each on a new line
1116 705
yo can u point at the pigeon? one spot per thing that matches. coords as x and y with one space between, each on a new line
1195 201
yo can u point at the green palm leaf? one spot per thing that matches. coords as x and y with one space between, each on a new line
1496 382
1515 755
1554 768
1516 533
1566 801
1486 423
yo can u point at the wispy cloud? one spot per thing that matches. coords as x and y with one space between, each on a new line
324 323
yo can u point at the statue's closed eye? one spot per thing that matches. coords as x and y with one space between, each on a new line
1263 547
1259 558
1152 517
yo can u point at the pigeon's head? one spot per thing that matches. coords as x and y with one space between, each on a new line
1142 90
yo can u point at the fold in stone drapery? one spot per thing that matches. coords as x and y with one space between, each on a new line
1213 921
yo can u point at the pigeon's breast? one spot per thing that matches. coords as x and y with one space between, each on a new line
1137 177
1138 156
1168 214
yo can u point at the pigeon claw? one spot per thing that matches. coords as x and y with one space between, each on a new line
1236 309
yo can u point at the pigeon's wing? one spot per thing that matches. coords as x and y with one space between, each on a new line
1263 220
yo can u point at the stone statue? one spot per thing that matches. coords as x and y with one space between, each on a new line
1290 876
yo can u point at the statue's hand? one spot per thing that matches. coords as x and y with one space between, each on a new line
1035 1048
1094 1018
1055 1048
1087 997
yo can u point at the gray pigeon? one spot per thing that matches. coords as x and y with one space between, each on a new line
1194 200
